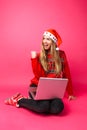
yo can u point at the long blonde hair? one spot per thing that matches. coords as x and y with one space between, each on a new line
55 57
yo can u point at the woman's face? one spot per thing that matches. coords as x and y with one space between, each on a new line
47 42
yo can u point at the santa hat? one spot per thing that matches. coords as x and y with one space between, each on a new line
51 33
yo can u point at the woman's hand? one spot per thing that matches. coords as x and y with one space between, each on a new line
33 54
71 97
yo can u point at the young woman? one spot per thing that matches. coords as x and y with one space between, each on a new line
50 62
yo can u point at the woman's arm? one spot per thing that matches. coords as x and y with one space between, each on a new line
37 68
36 65
66 74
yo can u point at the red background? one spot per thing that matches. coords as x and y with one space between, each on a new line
22 23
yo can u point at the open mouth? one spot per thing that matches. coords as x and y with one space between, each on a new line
46 45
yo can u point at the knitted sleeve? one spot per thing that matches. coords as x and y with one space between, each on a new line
37 67
66 73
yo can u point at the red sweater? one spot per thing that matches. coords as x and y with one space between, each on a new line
39 71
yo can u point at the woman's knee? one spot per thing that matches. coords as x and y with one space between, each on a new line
56 106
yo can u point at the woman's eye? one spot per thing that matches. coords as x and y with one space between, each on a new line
48 39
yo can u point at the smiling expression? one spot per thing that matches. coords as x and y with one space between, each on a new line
46 42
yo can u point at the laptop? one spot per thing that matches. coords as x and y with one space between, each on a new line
49 88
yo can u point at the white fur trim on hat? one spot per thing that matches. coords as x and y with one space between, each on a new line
50 35
57 48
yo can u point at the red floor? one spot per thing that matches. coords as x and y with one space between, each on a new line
74 116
